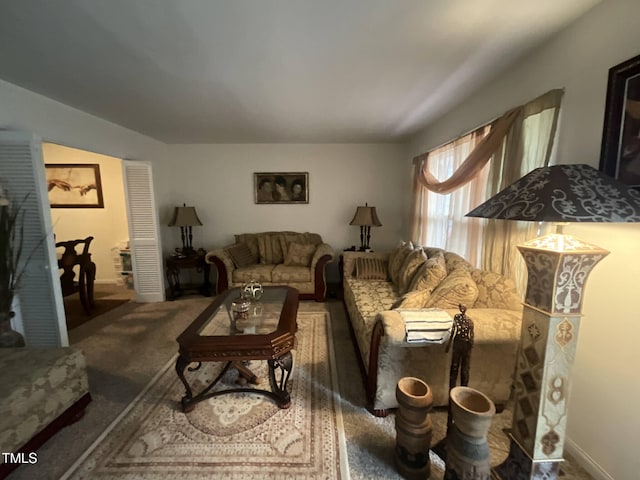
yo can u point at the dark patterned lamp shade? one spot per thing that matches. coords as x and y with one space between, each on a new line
564 193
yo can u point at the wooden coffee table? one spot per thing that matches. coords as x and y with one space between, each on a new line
267 334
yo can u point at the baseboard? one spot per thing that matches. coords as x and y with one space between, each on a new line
585 461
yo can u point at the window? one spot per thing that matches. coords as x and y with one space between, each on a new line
443 222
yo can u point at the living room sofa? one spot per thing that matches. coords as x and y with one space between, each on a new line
293 259
43 390
377 285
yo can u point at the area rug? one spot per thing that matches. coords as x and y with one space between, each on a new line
233 436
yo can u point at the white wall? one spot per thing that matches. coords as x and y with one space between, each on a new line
603 425
218 181
107 225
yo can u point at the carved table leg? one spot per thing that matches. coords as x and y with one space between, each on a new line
173 280
278 381
181 364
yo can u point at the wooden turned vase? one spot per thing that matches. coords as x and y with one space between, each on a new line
468 455
413 428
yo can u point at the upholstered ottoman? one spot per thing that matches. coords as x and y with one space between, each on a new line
43 389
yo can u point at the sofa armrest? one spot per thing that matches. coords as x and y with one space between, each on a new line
323 255
223 262
349 260
324 249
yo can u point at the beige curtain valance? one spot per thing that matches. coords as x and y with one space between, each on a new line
480 155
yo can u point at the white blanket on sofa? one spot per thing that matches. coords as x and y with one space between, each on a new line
426 325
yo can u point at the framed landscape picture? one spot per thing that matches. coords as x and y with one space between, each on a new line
620 152
74 185
281 187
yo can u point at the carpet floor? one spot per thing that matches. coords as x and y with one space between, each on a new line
127 347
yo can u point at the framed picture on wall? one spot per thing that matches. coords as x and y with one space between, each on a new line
74 185
620 152
281 187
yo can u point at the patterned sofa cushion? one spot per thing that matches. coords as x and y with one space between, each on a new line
457 287
241 255
270 246
454 261
38 384
396 261
429 274
495 291
251 240
299 254
290 274
371 268
414 259
258 272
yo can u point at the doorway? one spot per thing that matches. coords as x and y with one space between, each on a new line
107 223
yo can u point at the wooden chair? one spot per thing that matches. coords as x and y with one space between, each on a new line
87 274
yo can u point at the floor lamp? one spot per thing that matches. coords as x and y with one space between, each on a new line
557 270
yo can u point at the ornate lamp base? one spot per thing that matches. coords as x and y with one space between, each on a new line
557 267
519 466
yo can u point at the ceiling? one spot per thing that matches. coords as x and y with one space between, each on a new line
270 71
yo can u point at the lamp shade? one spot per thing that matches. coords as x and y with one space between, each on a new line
185 217
366 216
564 193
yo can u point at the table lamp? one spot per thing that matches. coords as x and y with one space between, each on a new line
185 218
366 217
557 270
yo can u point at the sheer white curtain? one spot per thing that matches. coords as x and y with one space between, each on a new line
442 222
532 141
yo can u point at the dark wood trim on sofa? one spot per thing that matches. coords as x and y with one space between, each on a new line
369 379
222 283
71 415
320 281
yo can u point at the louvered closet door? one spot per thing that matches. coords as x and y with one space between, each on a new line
41 305
143 228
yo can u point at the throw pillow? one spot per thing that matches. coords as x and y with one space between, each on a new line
415 299
458 287
429 274
393 253
395 264
455 261
299 254
412 262
241 255
270 248
371 268
495 291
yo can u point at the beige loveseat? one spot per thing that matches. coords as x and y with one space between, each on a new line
377 284
43 390
293 259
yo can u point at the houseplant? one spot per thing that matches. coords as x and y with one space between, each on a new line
11 269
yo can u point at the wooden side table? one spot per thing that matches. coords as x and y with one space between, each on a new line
176 263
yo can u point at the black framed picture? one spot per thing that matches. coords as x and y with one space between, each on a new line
281 187
73 185
620 152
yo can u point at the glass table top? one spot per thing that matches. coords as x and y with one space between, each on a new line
235 316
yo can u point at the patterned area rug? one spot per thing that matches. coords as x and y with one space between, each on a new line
232 436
